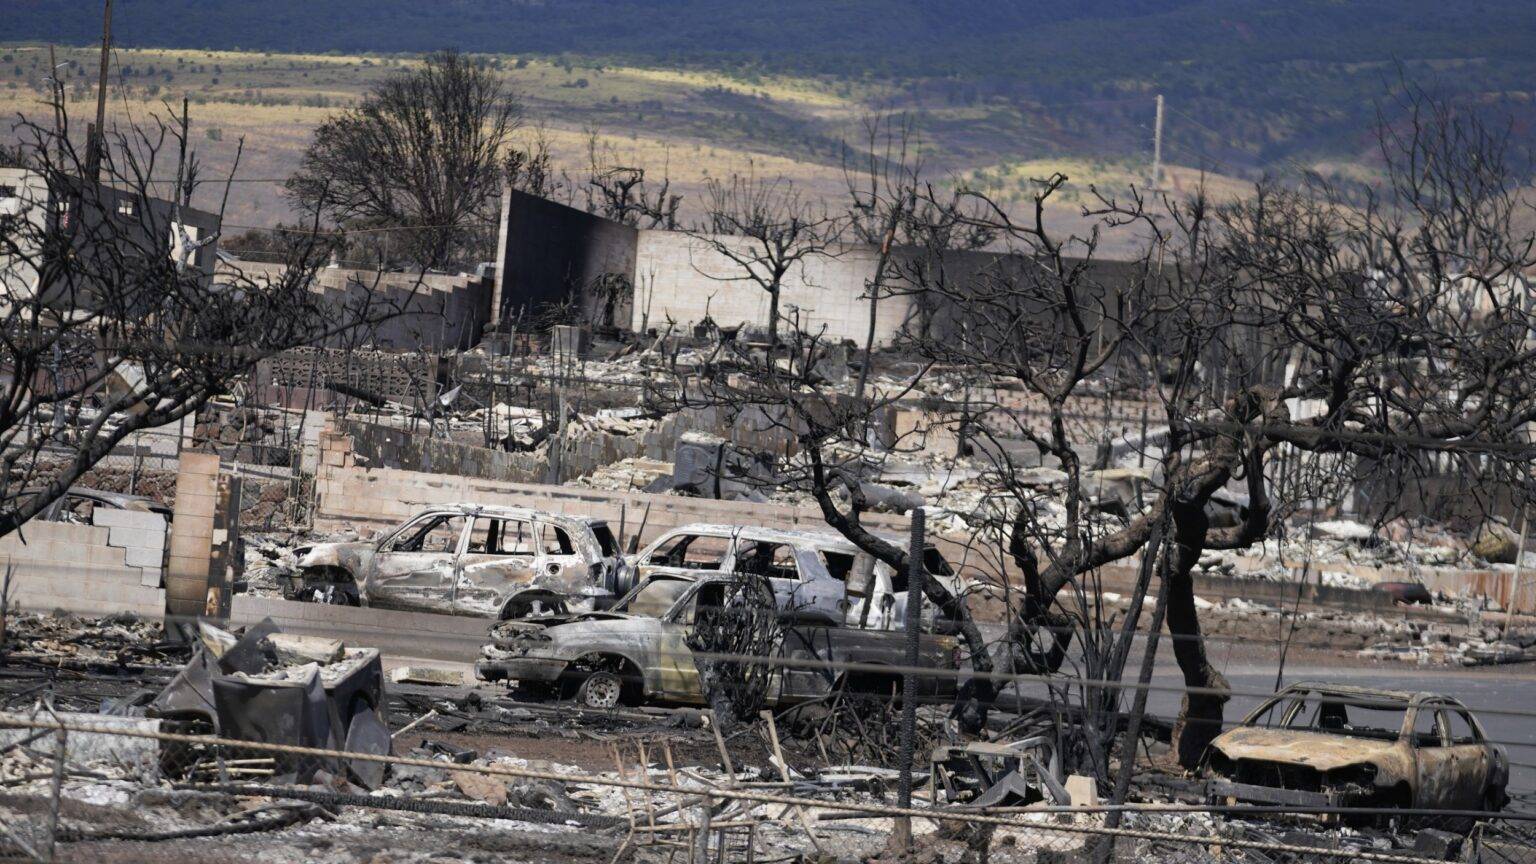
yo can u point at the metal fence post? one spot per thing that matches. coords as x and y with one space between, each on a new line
909 678
55 792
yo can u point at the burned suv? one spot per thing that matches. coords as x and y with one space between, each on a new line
812 572
494 562
1329 745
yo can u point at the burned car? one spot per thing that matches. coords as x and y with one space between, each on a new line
639 651
495 562
80 503
817 575
1330 746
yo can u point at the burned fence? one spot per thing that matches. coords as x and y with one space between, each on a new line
649 805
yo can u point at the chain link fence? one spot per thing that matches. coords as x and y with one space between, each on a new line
674 787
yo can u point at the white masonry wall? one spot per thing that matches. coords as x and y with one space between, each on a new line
682 278
140 535
78 568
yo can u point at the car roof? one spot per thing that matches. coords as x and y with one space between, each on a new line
1330 689
121 500
501 512
772 535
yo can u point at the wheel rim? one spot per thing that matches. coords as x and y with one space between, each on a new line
602 691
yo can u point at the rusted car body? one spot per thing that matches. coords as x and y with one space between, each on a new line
496 562
638 652
817 576
1332 746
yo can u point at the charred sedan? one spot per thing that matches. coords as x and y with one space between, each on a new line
1331 746
494 562
639 651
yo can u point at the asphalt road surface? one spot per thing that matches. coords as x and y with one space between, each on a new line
1492 689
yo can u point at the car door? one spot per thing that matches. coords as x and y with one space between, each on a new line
500 560
688 554
1471 760
677 674
1434 759
793 573
415 567
561 565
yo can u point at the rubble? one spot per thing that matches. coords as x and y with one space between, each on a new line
429 675
76 642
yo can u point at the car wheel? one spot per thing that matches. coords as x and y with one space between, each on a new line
336 595
601 690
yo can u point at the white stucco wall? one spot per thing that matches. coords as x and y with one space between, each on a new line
23 194
682 278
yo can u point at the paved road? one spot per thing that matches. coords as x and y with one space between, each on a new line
1507 688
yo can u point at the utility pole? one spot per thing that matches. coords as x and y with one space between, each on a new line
97 137
1157 146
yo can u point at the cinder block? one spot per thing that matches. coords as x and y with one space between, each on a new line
147 538
194 504
183 567
137 556
151 577
191 548
186 592
100 556
199 463
137 519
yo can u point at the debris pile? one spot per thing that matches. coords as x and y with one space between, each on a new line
1475 646
73 642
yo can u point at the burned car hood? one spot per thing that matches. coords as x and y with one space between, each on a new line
551 626
1318 750
334 554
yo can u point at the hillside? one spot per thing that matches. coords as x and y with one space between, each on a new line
686 125
1252 83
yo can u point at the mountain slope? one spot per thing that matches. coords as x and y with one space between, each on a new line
1252 84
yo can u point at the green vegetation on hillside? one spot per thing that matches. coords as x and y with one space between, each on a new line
1252 83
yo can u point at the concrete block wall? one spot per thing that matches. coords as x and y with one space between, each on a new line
141 536
378 498
192 534
385 446
58 565
586 449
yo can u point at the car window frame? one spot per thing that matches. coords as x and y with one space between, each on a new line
1478 738
389 540
727 557
547 530
1411 725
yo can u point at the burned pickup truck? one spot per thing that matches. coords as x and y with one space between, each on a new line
494 562
639 651
1333 746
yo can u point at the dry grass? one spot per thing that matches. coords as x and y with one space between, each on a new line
685 125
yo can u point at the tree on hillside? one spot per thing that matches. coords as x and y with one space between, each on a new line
423 152
112 321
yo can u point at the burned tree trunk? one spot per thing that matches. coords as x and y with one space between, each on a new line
738 620
1201 713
